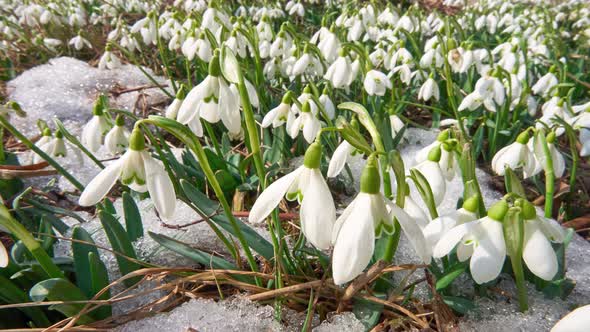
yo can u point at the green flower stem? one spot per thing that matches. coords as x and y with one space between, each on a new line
2 155
449 82
187 65
213 139
549 175
256 152
200 153
514 232
21 233
6 124
184 134
76 142
575 160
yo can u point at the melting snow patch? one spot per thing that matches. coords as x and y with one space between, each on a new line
67 88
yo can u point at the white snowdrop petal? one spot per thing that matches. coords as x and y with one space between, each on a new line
318 213
160 187
101 184
272 196
537 252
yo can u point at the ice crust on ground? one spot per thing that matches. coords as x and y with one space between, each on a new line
235 314
67 88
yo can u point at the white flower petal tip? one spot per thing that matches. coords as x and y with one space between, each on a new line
4 259
271 197
101 184
576 321
160 187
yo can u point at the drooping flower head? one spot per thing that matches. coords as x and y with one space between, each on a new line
306 185
367 217
94 131
481 240
117 139
138 170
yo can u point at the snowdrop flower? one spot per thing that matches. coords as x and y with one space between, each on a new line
203 48
278 115
340 73
79 43
109 60
295 8
264 29
405 73
376 83
576 321
482 240
433 174
138 170
238 44
172 109
329 45
545 84
94 131
147 28
55 147
516 155
307 64
365 219
306 121
377 56
329 107
430 58
396 125
51 43
214 100
581 108
429 90
117 139
308 186
448 162
341 156
553 108
281 45
438 227
488 91
492 91
539 232
46 137
460 59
